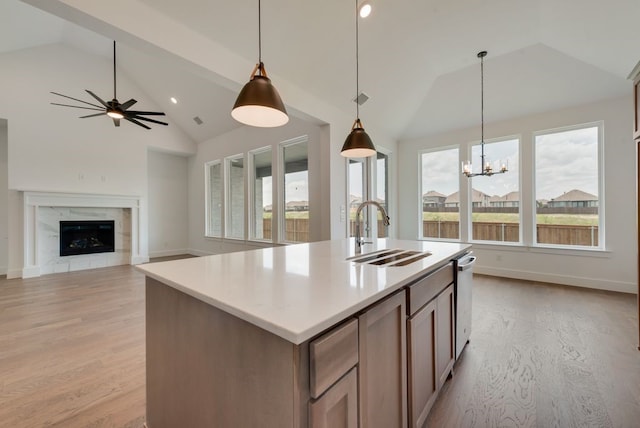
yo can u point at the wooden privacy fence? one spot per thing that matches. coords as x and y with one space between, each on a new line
510 232
296 229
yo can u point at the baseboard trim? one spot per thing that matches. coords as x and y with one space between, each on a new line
199 253
138 260
3 270
30 272
14 273
168 253
575 281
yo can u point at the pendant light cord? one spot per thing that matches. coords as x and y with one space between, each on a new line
114 70
357 67
260 36
482 105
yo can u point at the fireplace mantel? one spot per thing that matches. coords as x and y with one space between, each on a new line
35 201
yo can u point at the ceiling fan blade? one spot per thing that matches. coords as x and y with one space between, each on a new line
136 122
128 104
86 108
75 99
93 115
146 113
148 120
97 98
116 122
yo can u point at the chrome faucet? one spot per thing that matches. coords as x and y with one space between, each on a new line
359 240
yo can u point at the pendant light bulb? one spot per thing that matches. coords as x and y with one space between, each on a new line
358 144
365 9
258 103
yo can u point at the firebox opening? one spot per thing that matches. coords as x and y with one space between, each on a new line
86 237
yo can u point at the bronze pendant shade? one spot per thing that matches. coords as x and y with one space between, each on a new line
259 103
358 144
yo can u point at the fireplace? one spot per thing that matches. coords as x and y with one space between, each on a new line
86 237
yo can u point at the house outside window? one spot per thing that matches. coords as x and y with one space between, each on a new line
568 183
439 215
261 194
495 200
294 224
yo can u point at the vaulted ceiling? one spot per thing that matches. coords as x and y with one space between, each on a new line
418 58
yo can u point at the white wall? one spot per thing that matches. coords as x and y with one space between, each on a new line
613 269
240 141
4 200
168 204
50 149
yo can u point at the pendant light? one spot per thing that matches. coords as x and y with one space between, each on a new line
259 103
358 144
487 169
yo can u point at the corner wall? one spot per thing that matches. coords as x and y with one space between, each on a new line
4 199
51 150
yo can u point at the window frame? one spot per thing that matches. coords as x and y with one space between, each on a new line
281 221
461 153
228 218
251 202
521 220
601 187
208 209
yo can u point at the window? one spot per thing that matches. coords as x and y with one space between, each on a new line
382 190
440 194
213 185
567 183
495 200
235 197
261 194
295 162
357 194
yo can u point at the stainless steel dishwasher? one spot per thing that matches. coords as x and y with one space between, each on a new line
463 292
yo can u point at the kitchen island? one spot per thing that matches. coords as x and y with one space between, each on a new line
296 336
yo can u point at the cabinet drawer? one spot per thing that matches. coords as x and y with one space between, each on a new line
332 355
426 289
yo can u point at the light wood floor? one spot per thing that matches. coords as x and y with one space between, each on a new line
72 355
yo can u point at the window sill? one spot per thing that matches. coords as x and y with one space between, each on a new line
564 251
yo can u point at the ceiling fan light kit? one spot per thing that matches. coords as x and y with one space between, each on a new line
114 109
259 103
358 144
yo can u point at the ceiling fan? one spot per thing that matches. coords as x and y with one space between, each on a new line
114 109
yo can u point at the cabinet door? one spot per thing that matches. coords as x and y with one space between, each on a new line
383 368
445 335
423 381
338 407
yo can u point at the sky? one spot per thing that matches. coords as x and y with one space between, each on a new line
564 160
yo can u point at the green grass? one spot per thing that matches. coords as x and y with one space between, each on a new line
561 219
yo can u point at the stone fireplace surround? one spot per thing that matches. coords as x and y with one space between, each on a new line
43 212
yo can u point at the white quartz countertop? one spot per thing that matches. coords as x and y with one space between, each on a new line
297 291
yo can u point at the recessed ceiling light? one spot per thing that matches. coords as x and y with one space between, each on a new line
365 9
173 100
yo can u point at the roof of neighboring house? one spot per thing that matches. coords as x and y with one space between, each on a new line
575 195
478 196
298 204
433 194
509 197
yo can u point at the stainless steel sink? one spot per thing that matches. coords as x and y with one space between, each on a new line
391 258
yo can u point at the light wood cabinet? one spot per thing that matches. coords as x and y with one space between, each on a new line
445 335
383 368
338 406
423 380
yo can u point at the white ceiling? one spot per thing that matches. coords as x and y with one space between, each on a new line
417 57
